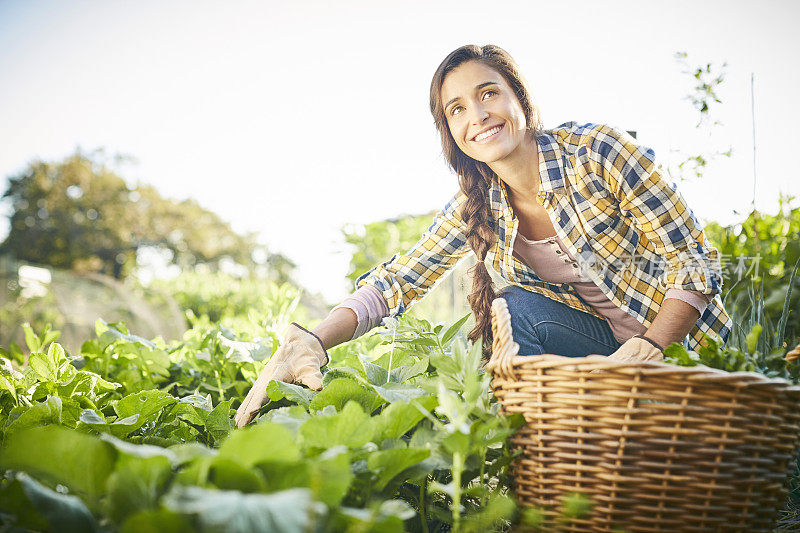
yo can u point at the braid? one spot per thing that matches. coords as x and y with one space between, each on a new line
480 236
475 176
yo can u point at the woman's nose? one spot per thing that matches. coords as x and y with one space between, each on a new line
479 114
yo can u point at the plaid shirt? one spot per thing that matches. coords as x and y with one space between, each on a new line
631 232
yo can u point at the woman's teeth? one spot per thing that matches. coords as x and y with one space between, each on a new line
489 133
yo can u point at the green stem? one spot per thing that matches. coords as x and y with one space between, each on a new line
219 386
423 504
439 344
391 355
483 471
143 367
108 361
458 466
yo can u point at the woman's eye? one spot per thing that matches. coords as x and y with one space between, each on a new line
455 110
489 92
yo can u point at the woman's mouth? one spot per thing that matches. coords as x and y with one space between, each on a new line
488 135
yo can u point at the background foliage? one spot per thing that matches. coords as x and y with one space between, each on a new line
78 214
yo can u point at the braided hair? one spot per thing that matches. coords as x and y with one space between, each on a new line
475 177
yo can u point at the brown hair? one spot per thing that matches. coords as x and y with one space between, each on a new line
474 177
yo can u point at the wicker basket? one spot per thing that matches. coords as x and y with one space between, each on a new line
656 447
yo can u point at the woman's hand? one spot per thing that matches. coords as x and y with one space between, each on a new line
298 360
637 349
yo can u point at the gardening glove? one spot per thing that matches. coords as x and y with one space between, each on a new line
298 360
638 348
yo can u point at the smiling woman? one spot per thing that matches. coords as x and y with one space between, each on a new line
601 254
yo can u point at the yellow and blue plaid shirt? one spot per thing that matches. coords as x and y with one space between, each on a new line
631 232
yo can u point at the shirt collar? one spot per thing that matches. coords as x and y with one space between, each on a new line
551 164
551 174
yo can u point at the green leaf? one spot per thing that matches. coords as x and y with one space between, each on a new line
389 463
199 401
148 404
340 391
277 390
18 507
376 375
752 338
400 417
136 485
453 329
445 364
331 476
388 517
263 442
86 383
219 423
244 352
7 384
31 339
227 474
400 392
340 372
498 507
404 373
350 428
288 511
78 461
291 417
37 506
280 476
145 451
189 451
50 336
160 521
112 329
23 417
43 366
119 428
677 354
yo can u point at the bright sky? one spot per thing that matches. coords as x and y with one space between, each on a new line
295 118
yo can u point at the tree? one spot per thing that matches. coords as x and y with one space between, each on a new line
77 214
377 242
706 80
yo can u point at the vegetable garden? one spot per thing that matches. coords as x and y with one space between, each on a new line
133 434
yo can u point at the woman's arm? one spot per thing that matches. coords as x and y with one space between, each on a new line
658 210
338 327
673 322
664 219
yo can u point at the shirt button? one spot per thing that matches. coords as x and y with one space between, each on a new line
624 302
580 250
558 219
575 265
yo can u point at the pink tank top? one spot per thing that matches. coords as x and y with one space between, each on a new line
552 262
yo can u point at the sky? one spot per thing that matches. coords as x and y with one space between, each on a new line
295 119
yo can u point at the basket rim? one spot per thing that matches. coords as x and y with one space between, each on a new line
654 369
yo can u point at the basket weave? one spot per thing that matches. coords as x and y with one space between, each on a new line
656 447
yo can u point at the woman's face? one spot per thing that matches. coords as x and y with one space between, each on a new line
484 116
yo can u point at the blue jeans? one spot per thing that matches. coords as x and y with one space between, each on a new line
541 325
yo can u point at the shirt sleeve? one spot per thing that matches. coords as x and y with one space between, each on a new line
368 305
658 210
407 277
698 300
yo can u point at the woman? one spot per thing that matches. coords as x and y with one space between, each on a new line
601 255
